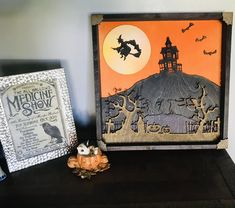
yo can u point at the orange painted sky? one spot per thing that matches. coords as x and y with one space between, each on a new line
190 52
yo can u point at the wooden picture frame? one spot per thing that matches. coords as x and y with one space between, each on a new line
36 118
162 80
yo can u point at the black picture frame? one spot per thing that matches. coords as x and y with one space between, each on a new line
222 141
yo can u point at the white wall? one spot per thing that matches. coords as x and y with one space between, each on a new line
60 29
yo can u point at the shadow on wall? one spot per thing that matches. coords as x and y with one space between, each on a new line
13 67
13 7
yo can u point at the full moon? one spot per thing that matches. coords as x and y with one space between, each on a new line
131 64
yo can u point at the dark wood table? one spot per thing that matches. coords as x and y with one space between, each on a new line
164 179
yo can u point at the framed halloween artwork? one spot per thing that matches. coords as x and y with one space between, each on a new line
162 80
36 120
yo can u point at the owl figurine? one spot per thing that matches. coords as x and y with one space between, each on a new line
89 161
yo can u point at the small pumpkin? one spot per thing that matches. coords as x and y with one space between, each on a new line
89 159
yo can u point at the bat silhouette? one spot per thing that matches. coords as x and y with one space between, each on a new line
124 49
187 28
53 132
210 52
200 39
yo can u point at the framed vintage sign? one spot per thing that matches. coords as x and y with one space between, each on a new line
36 119
162 80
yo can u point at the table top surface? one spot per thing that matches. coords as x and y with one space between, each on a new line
182 178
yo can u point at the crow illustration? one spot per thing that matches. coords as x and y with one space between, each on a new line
52 131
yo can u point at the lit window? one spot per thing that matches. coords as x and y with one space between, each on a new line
169 55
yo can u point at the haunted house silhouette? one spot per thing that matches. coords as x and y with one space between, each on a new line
169 61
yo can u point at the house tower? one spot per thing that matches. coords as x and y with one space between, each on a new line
168 63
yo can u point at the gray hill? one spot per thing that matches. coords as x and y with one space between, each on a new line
169 99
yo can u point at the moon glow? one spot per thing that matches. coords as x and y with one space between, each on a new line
131 64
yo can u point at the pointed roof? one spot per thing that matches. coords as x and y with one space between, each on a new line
168 42
171 48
